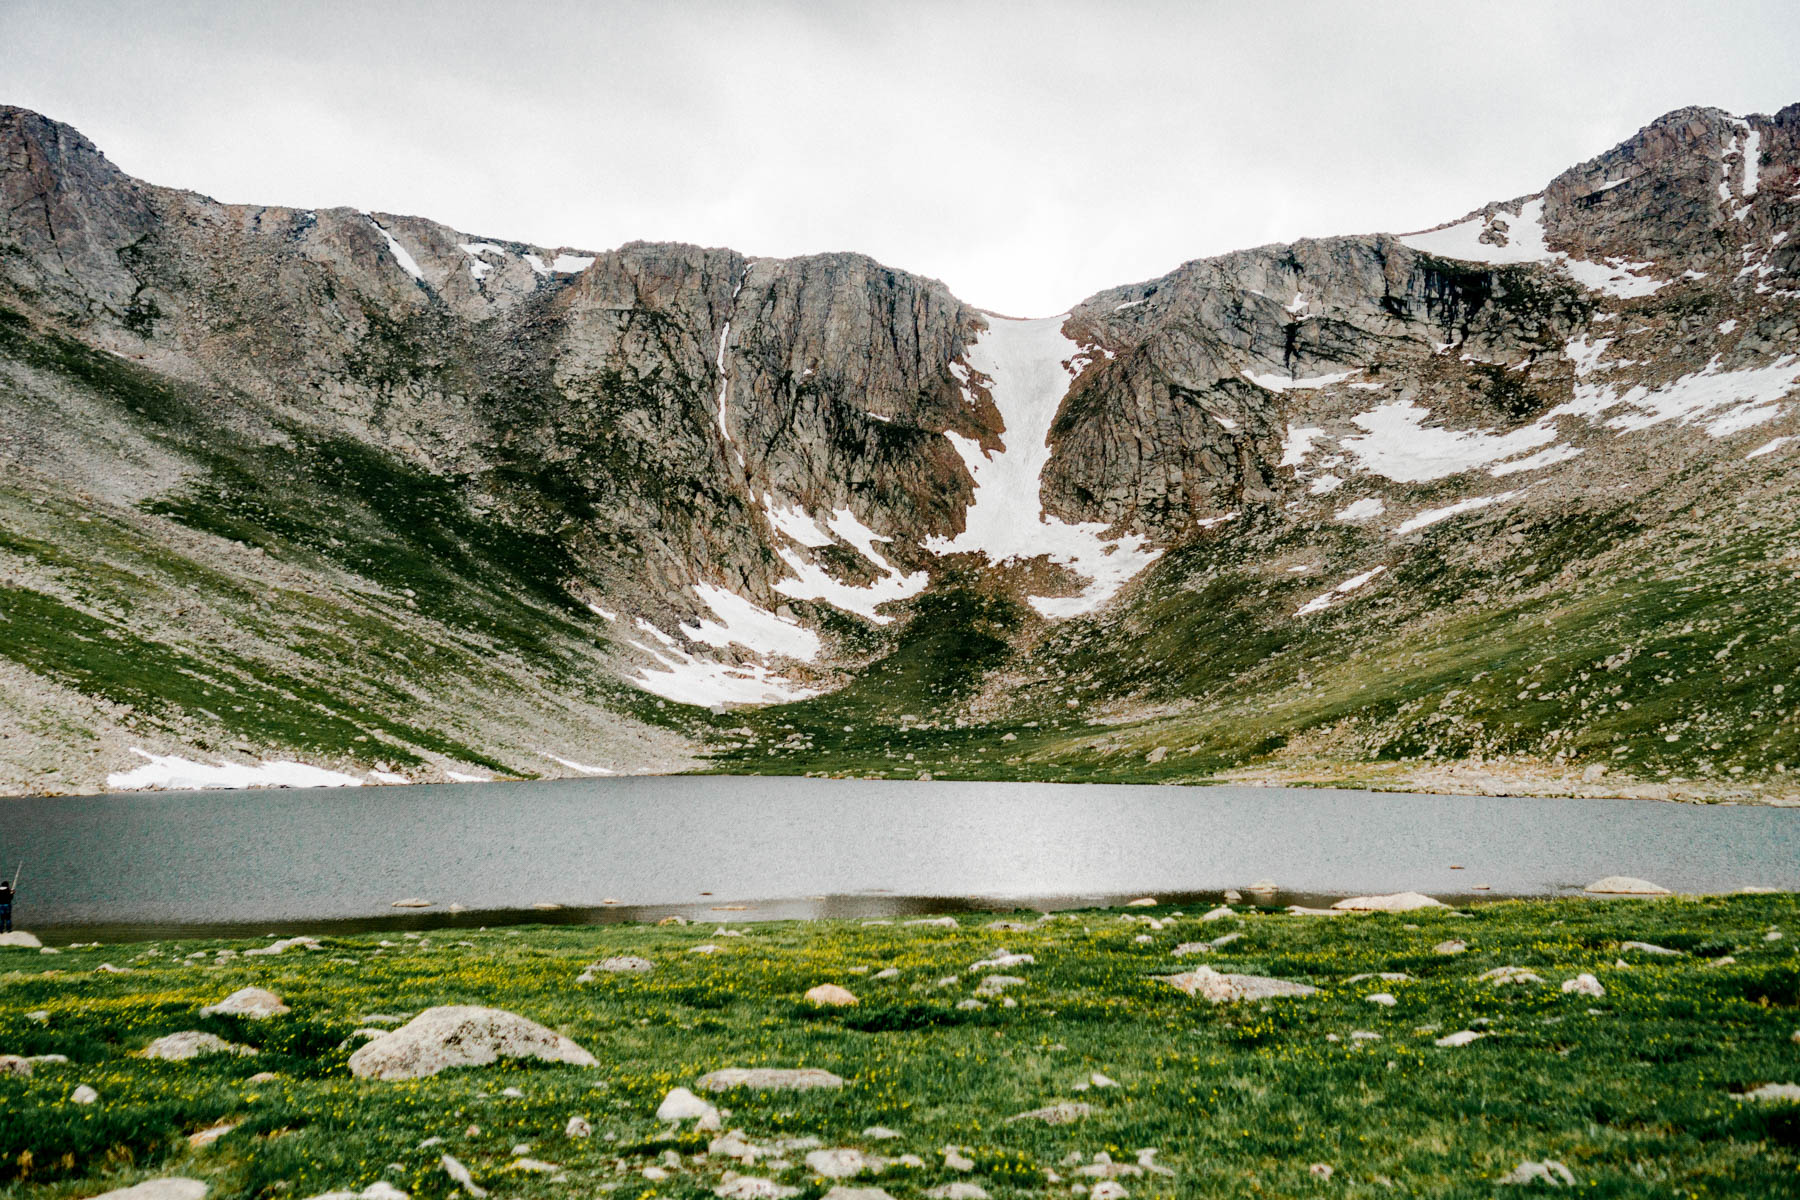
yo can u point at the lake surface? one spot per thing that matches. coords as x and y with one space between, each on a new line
190 863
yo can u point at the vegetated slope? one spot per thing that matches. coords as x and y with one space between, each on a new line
1503 505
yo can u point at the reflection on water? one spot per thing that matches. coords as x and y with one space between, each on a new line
636 849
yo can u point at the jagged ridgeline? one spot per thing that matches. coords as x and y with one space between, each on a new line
344 497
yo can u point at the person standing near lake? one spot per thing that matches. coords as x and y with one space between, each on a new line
6 901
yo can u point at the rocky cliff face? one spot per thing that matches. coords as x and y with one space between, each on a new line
395 497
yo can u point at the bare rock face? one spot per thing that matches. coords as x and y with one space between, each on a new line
461 1036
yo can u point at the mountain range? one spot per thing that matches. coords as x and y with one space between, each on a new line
331 496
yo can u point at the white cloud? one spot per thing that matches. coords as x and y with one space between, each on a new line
1026 155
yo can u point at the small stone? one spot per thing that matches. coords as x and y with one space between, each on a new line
1320 1171
176 1047
459 1174
880 1133
1548 1172
970 1004
830 995
18 939
842 1163
993 985
1453 946
1004 958
1583 985
83 1095
624 964
654 1174
1220 988
1232 896
760 1079
933 922
1462 1038
1142 902
534 1166
251 1003
1788 1093
887 973
959 1190
1652 948
1108 1189
1625 885
956 1160
411 902
1363 1035
857 1193
263 1077
207 1137
1066 1113
750 1187
1385 999
1500 976
681 1105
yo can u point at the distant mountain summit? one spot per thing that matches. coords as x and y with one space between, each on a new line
1504 505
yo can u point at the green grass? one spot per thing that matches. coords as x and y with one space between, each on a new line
1632 1091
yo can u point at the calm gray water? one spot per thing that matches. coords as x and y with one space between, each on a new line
188 862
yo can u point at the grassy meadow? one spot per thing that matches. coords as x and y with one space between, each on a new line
1633 1091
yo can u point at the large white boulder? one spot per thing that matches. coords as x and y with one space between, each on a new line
1625 885
1220 987
251 1003
159 1189
1397 902
18 939
460 1035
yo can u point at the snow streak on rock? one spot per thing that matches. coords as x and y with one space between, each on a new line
169 772
1024 363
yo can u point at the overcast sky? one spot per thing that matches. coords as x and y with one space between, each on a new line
1026 154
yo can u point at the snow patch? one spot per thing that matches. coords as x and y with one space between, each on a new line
606 613
1366 509
755 629
794 523
1727 401
477 267
1298 443
582 768
1525 243
1432 516
1281 383
1770 447
1398 445
406 261
1323 602
388 777
170 772
1728 325
1024 361
685 679
1752 152
1549 456
564 264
